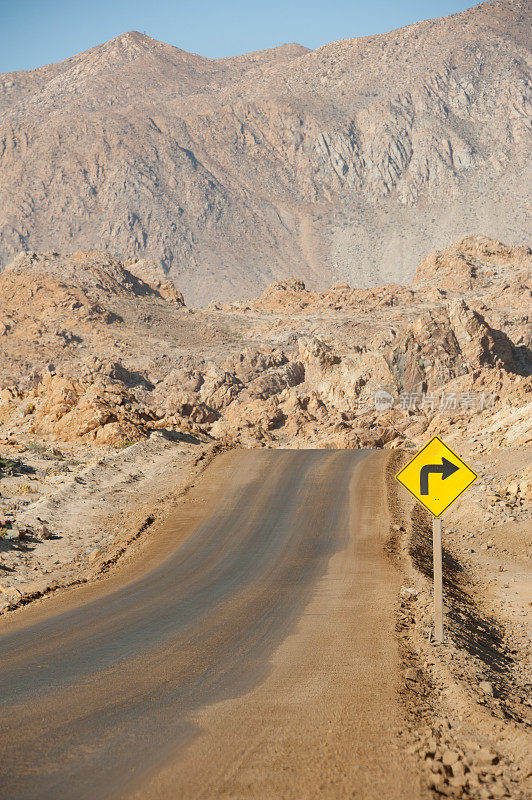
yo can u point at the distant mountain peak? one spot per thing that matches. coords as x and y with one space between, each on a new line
340 164
134 41
135 35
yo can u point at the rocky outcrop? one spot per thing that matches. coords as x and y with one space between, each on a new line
152 275
55 308
291 296
338 368
101 412
94 272
474 262
441 345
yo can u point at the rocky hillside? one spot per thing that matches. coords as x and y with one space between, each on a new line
347 163
96 353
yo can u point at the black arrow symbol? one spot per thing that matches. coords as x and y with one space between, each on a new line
446 468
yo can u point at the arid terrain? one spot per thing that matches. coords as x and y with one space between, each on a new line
115 396
236 296
347 163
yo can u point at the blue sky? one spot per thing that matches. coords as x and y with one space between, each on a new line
36 32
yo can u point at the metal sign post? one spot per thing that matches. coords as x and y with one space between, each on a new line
436 477
438 579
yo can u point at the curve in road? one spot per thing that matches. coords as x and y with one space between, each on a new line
96 700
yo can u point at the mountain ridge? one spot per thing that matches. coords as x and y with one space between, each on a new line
341 163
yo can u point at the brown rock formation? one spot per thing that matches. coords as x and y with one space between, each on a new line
95 353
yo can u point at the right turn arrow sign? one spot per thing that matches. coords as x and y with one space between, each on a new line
446 468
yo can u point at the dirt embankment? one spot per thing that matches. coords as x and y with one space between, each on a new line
93 514
468 698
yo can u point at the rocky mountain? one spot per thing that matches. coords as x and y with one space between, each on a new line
347 163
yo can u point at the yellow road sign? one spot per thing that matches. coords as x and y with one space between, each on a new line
436 476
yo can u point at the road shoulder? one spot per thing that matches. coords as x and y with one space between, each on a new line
467 699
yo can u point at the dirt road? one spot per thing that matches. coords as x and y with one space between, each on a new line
247 652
